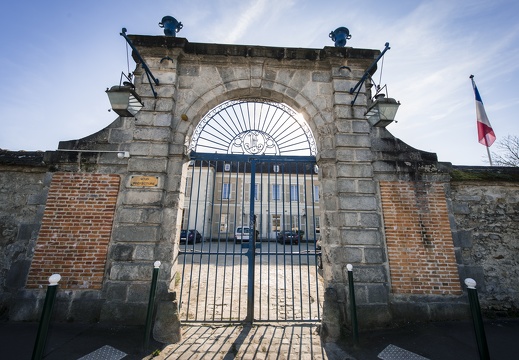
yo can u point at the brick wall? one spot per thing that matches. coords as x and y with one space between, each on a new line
419 238
75 230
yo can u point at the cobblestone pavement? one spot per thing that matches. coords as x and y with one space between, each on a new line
287 289
281 341
214 286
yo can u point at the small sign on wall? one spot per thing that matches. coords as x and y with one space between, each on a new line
144 181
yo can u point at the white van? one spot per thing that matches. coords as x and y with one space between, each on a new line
242 234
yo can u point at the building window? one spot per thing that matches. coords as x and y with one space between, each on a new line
294 193
184 219
276 222
316 193
276 192
223 223
187 190
295 222
226 191
317 224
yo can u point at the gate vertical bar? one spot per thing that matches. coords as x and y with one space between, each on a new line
252 245
316 269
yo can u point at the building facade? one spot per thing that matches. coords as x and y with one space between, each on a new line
281 201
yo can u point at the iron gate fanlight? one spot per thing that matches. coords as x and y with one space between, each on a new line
253 127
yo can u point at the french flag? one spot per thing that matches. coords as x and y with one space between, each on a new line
486 135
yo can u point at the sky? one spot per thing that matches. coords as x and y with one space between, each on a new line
58 57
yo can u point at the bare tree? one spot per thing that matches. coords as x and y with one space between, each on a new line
508 154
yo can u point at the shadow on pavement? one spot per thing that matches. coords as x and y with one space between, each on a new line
445 340
278 341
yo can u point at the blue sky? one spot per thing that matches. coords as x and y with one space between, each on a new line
58 57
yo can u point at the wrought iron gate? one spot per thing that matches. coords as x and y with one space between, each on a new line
248 252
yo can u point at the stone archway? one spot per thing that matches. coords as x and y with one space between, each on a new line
308 81
243 151
320 121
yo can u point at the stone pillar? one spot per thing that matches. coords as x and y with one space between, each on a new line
147 215
352 215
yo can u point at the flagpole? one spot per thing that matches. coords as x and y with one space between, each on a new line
486 144
488 150
489 158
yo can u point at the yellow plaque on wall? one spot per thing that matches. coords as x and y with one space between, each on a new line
144 181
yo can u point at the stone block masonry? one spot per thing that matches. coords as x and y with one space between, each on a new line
419 239
486 237
75 231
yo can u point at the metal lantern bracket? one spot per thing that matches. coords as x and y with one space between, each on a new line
366 74
143 64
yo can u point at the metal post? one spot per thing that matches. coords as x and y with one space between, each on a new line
366 74
151 302
477 319
488 153
252 247
353 307
43 327
143 63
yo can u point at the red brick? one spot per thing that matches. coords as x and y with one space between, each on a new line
418 238
71 219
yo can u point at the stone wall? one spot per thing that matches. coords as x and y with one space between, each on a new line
24 184
485 213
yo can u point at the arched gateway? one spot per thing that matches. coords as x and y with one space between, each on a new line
251 217
213 151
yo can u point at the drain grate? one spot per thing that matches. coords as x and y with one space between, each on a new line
392 352
104 353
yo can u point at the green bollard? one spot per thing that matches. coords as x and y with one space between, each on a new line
43 327
353 307
477 320
149 316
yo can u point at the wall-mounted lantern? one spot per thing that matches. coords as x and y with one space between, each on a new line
124 100
383 111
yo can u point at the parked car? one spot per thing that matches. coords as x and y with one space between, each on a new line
292 237
193 236
242 234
